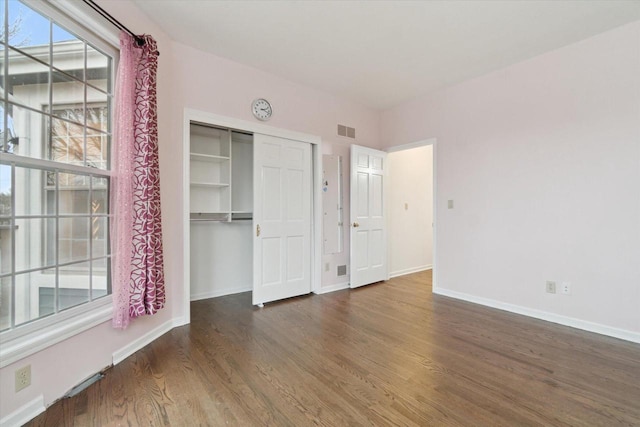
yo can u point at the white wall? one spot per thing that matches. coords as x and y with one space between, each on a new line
542 160
221 258
410 208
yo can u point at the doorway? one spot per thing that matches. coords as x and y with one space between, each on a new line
411 208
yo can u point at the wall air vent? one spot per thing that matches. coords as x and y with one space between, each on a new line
342 270
346 131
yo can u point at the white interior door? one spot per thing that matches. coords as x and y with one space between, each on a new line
368 216
281 218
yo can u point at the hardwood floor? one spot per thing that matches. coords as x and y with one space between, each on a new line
385 354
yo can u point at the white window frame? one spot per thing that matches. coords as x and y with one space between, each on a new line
35 336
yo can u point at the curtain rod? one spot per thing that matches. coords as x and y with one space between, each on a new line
113 21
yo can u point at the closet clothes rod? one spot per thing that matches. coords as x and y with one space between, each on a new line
113 21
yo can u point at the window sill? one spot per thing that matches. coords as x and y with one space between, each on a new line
35 337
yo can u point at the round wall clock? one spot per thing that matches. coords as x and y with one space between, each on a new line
261 109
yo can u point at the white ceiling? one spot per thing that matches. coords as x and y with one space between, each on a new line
382 53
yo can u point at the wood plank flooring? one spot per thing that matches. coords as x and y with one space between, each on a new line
388 354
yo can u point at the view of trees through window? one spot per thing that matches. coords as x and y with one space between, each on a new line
55 134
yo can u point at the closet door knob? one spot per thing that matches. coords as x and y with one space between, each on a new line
356 225
258 230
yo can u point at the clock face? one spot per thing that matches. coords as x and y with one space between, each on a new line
261 109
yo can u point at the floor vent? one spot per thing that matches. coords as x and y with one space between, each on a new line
87 382
346 131
84 384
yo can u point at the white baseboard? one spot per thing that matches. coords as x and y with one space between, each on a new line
544 315
25 413
152 335
333 288
410 270
181 321
220 293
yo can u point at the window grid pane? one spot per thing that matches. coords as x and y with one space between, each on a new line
55 105
6 289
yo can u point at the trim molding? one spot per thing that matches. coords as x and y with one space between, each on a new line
24 413
180 321
149 337
221 293
417 144
332 288
410 270
434 143
76 14
597 328
193 115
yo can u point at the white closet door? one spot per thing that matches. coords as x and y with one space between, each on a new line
281 218
368 218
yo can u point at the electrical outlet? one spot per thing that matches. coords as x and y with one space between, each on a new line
565 288
551 287
23 378
327 266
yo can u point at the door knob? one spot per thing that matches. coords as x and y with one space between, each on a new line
356 225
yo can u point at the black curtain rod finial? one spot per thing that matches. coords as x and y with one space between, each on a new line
139 40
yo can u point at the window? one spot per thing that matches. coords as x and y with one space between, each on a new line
55 136
67 145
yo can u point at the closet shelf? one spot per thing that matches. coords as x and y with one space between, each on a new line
209 216
209 184
208 158
210 213
241 216
220 216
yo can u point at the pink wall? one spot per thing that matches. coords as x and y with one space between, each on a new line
220 86
58 368
216 85
542 160
193 79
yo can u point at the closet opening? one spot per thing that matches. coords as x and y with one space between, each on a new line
220 211
252 210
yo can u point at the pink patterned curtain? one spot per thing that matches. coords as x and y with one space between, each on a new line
137 263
